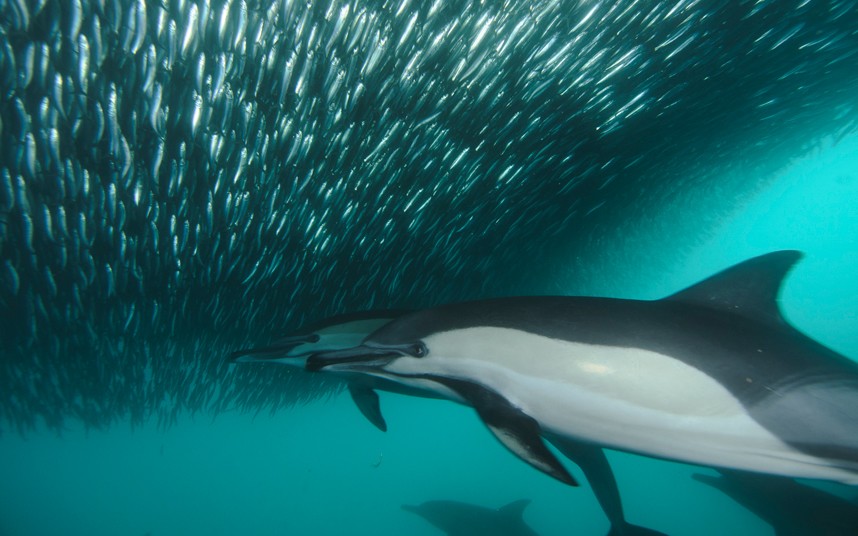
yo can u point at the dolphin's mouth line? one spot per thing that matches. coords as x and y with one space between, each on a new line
371 362
363 358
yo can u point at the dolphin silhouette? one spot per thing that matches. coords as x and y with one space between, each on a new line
791 508
463 519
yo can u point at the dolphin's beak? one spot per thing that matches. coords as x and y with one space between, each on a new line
359 356
279 351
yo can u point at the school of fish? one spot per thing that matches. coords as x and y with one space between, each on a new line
178 177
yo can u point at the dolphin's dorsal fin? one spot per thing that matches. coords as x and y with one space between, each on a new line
515 509
749 288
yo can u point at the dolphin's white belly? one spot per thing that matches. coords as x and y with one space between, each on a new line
626 398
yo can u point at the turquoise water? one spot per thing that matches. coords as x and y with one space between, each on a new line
182 178
321 469
311 471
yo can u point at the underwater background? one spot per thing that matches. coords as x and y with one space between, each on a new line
182 178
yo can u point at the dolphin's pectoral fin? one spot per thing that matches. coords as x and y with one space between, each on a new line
520 434
516 430
366 399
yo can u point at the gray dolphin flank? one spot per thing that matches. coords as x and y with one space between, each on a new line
711 375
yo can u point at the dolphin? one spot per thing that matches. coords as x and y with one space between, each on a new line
343 331
791 508
711 375
463 519
336 332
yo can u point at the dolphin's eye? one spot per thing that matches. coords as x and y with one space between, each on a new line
418 349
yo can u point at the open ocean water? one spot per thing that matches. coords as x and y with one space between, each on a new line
183 178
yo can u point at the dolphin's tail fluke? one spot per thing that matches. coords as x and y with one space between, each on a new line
628 529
